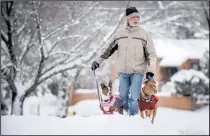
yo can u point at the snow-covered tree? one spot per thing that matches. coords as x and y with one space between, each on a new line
35 49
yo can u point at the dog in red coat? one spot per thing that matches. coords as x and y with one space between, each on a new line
148 100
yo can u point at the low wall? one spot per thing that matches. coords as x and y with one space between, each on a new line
176 102
76 97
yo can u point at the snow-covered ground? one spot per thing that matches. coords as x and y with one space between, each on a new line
168 121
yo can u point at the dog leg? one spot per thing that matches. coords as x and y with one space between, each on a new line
120 110
142 114
154 114
146 113
150 113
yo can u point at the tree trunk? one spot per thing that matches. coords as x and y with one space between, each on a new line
17 105
63 100
22 100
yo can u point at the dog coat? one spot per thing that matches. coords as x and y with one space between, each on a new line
115 101
147 103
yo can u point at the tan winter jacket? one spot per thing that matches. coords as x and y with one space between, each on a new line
135 51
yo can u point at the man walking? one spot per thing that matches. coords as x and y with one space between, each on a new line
136 57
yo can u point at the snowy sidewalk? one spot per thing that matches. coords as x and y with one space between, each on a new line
168 121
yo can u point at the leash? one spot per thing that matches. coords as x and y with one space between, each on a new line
97 88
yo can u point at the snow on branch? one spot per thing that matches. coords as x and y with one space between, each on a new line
88 38
58 70
60 27
4 48
64 62
63 53
154 14
19 30
27 48
58 62
64 38
4 36
54 45
71 53
86 12
167 20
160 4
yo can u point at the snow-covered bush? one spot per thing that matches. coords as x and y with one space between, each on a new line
189 82
168 88
204 64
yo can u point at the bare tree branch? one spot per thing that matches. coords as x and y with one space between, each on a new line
53 66
55 73
2 12
4 38
160 4
57 42
74 49
60 27
27 48
6 75
53 46
206 12
40 67
20 29
6 52
7 5
88 38
170 19
62 53
157 12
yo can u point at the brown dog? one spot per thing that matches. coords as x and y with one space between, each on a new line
148 101
110 102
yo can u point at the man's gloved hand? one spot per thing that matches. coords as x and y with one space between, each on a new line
95 65
149 76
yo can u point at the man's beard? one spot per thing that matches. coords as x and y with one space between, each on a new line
133 24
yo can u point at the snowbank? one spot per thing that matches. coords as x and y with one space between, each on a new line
202 99
86 91
46 105
168 121
82 108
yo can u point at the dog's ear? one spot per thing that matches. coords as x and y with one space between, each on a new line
153 81
155 91
154 87
146 82
102 85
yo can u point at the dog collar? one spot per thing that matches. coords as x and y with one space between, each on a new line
108 100
146 100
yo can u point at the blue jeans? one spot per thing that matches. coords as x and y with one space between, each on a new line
130 88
